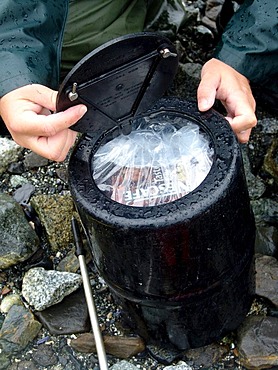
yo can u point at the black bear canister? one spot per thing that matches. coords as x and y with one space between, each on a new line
161 193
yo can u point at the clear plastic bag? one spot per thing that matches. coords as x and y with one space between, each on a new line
155 164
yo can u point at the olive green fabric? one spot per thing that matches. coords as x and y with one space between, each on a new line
250 42
92 23
30 37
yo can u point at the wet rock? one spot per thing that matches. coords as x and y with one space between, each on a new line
258 342
212 12
267 278
55 213
17 180
118 346
270 164
68 317
18 329
207 356
204 33
70 262
171 19
24 193
9 301
123 365
266 240
187 80
62 174
42 288
33 160
164 355
2 318
16 168
261 140
9 152
45 356
4 361
256 186
18 241
180 366
265 211
23 365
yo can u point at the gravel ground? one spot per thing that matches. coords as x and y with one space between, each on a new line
51 179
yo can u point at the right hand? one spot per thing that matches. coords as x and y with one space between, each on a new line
222 82
27 113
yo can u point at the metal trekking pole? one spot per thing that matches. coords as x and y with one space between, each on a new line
80 253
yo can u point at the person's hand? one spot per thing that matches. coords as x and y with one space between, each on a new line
26 112
220 81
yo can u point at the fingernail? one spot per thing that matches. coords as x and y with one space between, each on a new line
204 104
82 110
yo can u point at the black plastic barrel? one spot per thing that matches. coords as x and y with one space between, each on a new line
182 271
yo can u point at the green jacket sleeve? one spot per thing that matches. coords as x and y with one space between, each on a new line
30 37
250 42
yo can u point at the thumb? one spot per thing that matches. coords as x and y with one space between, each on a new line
206 93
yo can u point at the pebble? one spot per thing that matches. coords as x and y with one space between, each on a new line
33 160
18 240
9 152
42 288
19 328
9 301
56 352
123 365
267 278
45 356
23 194
180 366
68 317
258 342
118 346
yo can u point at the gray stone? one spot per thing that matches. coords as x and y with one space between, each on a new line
67 317
24 193
256 186
45 356
8 301
267 278
70 262
18 329
266 240
265 210
269 125
180 366
123 365
270 165
4 361
33 160
9 152
17 180
18 241
42 288
24 365
257 343
164 354
206 356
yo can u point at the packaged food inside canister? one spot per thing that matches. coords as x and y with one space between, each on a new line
157 163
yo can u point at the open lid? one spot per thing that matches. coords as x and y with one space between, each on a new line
118 81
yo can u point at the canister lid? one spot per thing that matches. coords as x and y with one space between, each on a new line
119 80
